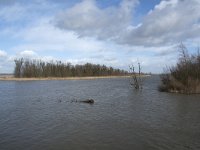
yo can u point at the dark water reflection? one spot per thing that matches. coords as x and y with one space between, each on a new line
40 115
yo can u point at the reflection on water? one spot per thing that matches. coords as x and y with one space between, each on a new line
40 115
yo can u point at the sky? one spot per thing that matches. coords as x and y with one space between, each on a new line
117 33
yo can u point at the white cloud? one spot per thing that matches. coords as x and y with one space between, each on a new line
2 54
27 54
30 54
166 3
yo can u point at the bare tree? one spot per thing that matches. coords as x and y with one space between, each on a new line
136 78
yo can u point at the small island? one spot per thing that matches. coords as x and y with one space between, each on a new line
185 76
28 69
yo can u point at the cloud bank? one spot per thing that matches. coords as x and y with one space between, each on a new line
87 19
169 22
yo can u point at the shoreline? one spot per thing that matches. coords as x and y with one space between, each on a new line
59 78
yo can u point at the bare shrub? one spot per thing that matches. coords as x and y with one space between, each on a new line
185 76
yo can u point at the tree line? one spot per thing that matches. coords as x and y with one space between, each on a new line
185 76
38 68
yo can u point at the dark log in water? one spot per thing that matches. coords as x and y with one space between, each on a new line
89 101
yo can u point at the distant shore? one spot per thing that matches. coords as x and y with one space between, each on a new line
59 78
10 78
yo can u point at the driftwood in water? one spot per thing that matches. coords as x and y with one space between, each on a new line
89 101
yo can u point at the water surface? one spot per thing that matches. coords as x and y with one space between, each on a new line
41 115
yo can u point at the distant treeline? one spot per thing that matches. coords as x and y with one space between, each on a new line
37 68
185 76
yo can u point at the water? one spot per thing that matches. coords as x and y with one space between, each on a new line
40 115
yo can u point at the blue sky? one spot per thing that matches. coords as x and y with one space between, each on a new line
116 33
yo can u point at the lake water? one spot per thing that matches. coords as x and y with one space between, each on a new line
40 115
